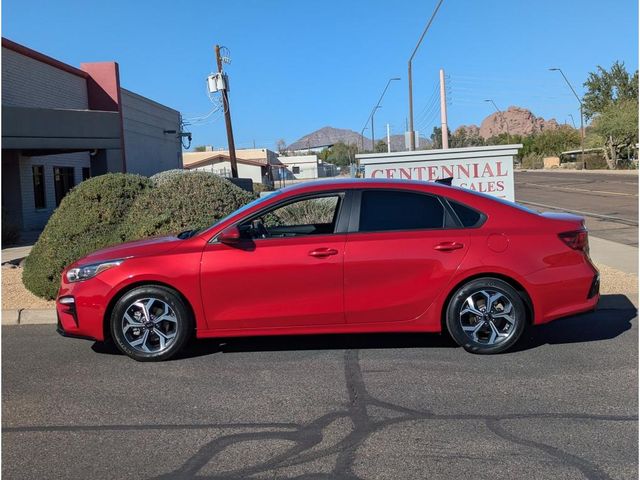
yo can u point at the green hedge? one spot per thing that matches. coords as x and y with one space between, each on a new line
182 201
116 207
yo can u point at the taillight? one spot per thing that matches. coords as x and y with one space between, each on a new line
577 240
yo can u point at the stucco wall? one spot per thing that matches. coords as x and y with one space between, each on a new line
148 150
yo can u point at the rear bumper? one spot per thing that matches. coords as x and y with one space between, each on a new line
579 292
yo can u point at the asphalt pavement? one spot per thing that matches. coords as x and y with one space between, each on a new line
608 201
563 404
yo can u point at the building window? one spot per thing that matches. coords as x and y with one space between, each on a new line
38 186
296 170
86 173
63 181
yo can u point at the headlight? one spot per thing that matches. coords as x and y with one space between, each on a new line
89 271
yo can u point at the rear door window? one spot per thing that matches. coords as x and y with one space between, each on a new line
387 210
467 216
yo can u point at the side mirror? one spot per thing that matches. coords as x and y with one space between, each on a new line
230 236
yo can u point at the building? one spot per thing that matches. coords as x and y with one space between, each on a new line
302 167
253 163
62 125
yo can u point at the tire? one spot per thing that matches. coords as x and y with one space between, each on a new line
151 323
478 330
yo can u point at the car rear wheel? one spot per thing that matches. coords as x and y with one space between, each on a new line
150 323
486 315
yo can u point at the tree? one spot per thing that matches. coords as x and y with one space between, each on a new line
324 154
607 88
342 154
381 146
549 142
200 148
462 137
612 101
436 137
616 128
282 146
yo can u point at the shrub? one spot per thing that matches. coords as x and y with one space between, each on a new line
88 218
183 201
161 177
114 208
594 161
533 161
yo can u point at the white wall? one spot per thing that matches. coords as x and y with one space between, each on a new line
26 82
254 172
32 218
148 149
307 165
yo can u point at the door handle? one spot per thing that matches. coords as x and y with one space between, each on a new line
323 252
448 246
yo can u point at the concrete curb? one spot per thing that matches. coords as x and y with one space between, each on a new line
10 317
29 317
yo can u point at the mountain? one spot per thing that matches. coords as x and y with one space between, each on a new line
517 120
329 136
520 121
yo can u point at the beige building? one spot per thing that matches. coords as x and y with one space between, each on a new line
253 163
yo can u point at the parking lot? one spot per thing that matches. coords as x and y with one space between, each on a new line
562 405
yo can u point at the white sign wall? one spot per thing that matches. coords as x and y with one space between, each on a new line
483 169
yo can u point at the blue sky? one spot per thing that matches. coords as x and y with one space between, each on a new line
301 65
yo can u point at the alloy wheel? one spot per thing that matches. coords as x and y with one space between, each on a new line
149 325
488 317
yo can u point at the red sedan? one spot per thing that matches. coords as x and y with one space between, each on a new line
338 257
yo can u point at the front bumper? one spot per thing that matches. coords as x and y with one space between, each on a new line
81 308
60 329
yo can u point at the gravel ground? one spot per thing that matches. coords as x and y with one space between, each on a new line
615 281
15 296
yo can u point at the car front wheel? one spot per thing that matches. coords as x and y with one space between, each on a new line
486 315
150 323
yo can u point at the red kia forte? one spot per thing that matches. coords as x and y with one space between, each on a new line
338 257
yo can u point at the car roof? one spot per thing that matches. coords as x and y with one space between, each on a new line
336 183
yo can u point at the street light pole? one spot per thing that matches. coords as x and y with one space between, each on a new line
584 165
412 140
373 111
502 117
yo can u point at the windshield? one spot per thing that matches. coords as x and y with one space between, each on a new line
257 201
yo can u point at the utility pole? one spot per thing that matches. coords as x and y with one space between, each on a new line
227 120
373 136
584 165
388 139
443 112
412 139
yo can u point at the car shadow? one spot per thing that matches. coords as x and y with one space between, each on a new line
611 319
